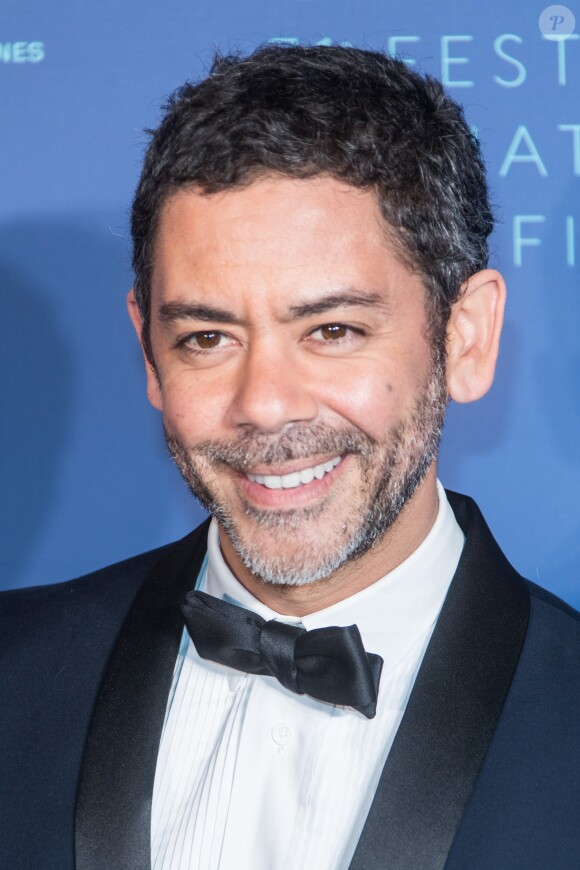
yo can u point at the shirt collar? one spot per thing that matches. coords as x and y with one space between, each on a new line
392 614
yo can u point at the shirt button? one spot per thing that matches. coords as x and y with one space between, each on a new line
281 734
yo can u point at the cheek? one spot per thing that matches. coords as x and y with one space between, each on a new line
371 402
189 410
376 397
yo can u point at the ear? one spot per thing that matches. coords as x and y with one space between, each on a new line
153 386
473 336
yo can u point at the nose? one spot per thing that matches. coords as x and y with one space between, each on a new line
272 390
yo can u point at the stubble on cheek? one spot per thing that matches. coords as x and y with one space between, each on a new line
290 546
302 545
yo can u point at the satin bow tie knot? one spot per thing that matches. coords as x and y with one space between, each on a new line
329 664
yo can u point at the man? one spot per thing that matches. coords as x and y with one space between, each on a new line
311 287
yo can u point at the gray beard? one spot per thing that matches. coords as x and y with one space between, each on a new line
397 464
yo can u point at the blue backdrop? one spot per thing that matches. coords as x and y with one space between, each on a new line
86 480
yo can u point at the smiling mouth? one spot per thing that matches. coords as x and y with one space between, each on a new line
295 478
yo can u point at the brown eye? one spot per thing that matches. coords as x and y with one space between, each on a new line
333 330
207 340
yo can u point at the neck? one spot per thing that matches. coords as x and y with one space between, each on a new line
406 534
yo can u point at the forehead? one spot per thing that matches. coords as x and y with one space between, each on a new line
277 234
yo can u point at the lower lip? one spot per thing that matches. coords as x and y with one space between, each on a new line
261 496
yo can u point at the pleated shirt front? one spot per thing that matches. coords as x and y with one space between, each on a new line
253 777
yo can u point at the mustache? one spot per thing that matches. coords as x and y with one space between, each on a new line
298 442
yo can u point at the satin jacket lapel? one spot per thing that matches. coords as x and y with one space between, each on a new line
453 709
113 814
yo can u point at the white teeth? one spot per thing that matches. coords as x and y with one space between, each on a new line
296 478
289 481
307 476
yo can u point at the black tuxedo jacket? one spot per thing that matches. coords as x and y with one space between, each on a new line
484 773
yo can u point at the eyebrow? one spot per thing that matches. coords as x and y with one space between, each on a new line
169 312
340 299
172 311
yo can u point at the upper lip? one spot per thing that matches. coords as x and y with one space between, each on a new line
297 465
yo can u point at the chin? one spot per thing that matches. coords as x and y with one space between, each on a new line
291 549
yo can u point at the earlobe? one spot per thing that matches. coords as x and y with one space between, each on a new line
473 335
153 388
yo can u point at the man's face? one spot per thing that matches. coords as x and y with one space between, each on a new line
301 395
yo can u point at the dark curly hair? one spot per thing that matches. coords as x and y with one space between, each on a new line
360 116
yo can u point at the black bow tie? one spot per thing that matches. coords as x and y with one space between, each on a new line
329 664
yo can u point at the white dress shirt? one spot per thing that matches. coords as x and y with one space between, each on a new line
251 776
